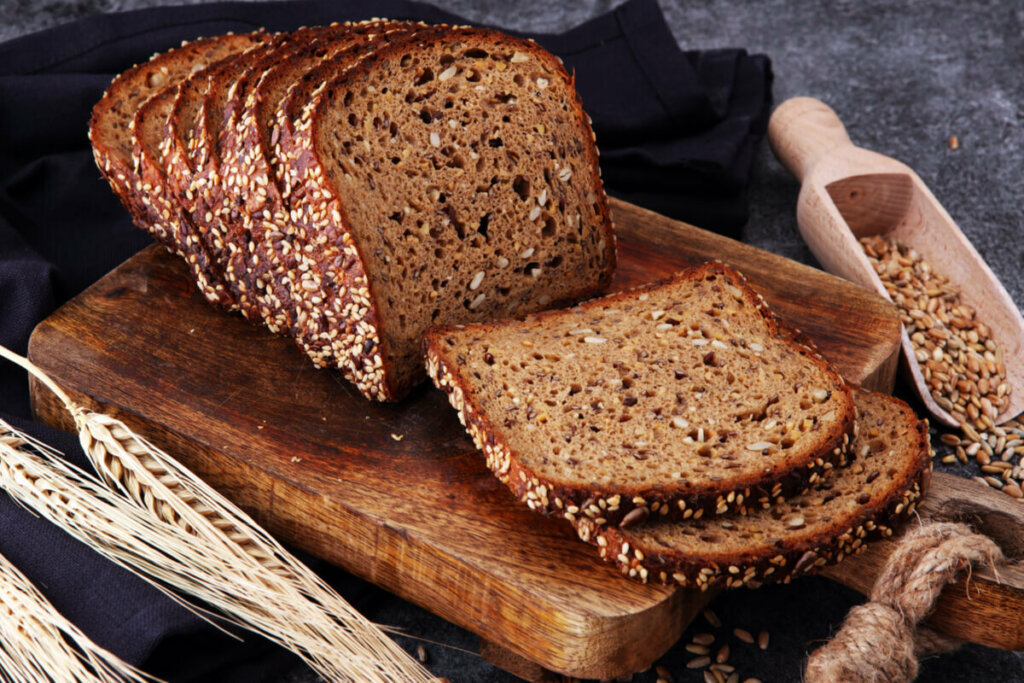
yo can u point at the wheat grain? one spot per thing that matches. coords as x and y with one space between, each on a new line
196 565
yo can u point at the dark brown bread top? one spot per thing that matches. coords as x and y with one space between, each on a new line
679 399
891 470
147 136
258 213
112 117
449 177
198 146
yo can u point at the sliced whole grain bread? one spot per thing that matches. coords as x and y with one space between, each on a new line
258 222
210 140
449 177
110 132
890 471
149 147
678 399
189 172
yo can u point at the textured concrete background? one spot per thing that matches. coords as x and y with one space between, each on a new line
904 77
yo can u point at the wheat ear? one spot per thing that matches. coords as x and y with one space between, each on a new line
293 605
36 641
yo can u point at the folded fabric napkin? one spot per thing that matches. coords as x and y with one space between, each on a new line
677 131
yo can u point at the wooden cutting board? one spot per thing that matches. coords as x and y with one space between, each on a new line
397 494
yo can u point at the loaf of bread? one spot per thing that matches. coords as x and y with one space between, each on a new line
351 186
889 472
677 400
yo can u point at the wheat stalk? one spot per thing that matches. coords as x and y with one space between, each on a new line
238 567
36 639
37 642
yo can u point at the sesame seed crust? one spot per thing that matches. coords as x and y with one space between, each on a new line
336 319
191 161
278 257
135 175
838 530
614 504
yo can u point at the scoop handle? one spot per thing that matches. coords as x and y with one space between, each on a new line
801 131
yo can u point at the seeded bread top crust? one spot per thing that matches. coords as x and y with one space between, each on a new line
258 213
111 121
463 170
183 158
890 471
190 176
675 399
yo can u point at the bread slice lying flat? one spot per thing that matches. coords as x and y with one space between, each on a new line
890 472
673 400
448 177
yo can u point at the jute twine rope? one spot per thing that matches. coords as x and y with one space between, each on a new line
880 641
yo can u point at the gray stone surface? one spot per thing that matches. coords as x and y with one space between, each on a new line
904 77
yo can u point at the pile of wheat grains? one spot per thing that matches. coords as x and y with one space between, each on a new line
959 360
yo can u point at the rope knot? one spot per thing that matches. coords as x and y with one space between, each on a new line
880 640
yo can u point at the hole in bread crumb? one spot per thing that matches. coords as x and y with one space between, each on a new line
482 226
521 186
425 77
548 230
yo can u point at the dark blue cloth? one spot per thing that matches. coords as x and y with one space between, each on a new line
676 131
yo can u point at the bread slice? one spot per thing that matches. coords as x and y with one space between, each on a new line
678 399
891 470
259 221
110 132
447 178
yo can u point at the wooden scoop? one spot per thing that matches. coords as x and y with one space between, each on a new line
848 192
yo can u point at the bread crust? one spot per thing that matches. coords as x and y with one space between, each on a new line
609 505
793 556
193 174
264 220
137 179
